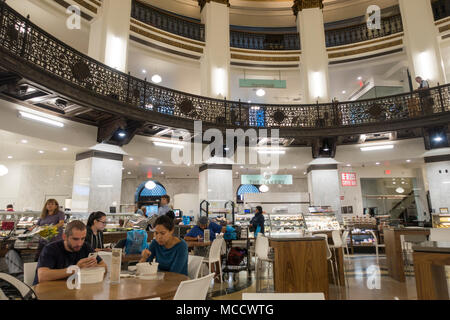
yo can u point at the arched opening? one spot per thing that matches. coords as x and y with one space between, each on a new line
149 194
244 189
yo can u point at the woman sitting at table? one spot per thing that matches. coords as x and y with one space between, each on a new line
170 252
95 225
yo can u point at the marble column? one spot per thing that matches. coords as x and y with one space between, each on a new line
97 181
109 34
323 186
438 178
421 41
216 183
215 62
314 58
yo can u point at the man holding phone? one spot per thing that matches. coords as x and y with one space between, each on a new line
57 256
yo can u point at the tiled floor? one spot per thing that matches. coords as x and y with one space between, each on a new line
358 287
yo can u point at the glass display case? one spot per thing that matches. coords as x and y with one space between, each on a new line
321 219
283 222
441 220
243 220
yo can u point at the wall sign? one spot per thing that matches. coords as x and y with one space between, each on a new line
259 179
348 179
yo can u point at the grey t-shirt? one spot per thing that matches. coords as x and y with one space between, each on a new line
52 220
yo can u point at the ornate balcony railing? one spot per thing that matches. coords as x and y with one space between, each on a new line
441 9
358 33
28 48
168 22
264 41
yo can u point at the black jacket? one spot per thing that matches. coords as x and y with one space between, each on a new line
258 220
96 242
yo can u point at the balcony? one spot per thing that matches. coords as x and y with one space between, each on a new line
30 53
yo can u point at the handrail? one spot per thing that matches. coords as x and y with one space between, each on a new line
38 50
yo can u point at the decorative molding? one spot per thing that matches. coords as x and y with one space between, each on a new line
99 154
444 28
162 48
360 44
322 167
365 50
202 3
66 5
299 5
87 5
259 58
165 40
167 34
215 166
287 52
384 53
445 20
267 66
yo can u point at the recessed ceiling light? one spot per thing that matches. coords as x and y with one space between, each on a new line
408 161
129 172
131 159
159 168
10 157
438 139
144 71
377 163
162 172
349 165
344 92
264 188
374 148
24 141
295 167
242 167
359 78
122 134
40 151
34 117
64 149
160 162
156 78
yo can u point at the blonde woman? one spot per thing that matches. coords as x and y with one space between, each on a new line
50 216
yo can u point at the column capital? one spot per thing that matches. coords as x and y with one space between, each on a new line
299 5
202 3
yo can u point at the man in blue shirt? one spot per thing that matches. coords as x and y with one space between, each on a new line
197 232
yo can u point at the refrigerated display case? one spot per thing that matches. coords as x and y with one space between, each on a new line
441 220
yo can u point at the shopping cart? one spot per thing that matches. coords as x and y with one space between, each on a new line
236 258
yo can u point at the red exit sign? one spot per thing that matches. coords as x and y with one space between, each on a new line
348 179
387 171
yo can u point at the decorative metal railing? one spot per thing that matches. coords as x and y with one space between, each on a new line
441 9
358 33
264 41
36 49
167 22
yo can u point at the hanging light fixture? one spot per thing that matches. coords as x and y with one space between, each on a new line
150 185
264 188
260 92
399 190
156 78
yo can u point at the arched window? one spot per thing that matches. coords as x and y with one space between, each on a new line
146 195
244 189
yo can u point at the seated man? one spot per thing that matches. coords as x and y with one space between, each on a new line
57 256
197 233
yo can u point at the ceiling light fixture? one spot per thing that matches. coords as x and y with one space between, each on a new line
377 163
264 188
399 190
150 185
374 148
260 92
437 139
408 161
10 157
131 159
64 149
122 134
344 92
34 117
41 152
24 141
156 78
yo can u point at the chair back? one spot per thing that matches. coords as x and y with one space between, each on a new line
442 235
262 247
25 291
216 246
325 237
196 289
344 237
283 296
374 236
337 240
194 266
29 272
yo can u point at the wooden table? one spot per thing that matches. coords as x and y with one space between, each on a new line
300 265
127 289
430 259
394 257
192 244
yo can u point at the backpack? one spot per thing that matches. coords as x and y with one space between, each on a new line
136 242
236 256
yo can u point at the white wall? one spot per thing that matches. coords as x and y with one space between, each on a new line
439 184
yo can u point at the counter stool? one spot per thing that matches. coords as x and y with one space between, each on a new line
262 255
329 257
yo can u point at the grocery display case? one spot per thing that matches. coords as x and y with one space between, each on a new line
441 220
321 219
282 222
243 220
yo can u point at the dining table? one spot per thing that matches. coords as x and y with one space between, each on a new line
131 288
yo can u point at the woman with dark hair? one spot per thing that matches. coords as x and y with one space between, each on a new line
258 221
170 252
95 225
50 215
